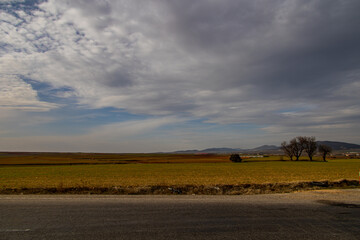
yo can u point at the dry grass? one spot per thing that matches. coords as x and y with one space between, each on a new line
196 174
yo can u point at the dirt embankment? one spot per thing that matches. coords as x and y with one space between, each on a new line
191 189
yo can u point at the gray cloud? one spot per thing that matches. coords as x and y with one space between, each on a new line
278 64
281 45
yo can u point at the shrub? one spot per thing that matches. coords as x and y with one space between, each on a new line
235 158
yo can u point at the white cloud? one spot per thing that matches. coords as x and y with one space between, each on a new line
271 64
132 128
16 94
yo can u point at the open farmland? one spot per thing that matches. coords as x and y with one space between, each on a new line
29 158
14 158
194 170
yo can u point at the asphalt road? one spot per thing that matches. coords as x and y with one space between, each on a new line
307 215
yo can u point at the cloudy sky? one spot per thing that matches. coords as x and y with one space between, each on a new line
163 75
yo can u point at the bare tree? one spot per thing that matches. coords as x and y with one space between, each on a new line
287 150
324 150
310 146
297 146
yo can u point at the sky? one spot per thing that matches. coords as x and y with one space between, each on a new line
166 75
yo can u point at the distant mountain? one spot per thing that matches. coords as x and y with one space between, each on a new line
265 148
220 150
187 151
212 150
336 146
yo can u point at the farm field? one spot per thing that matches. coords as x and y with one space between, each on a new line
198 170
14 158
18 158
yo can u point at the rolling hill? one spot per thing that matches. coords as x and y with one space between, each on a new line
336 146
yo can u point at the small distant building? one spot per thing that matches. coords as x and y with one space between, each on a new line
352 154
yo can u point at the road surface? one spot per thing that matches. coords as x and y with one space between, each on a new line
332 214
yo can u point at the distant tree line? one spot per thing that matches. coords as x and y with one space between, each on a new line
298 145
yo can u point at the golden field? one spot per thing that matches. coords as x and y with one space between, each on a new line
186 170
